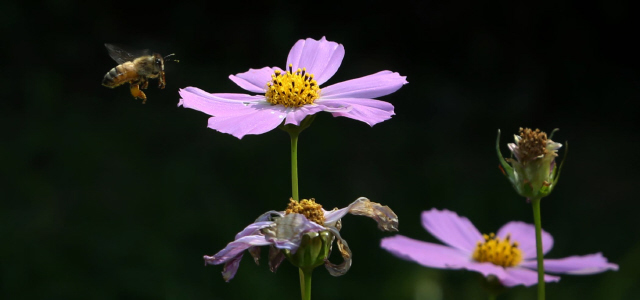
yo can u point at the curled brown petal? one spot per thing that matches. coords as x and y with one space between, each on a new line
276 256
341 269
385 217
255 253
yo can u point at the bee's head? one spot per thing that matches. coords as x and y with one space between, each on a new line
158 61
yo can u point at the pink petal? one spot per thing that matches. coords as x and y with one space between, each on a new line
452 229
254 80
517 276
370 86
295 116
370 111
427 254
253 229
525 235
259 119
576 265
438 256
321 58
236 248
218 104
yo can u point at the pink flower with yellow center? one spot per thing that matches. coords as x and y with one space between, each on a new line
294 93
509 255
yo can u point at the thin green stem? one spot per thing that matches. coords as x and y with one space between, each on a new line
305 283
294 165
538 223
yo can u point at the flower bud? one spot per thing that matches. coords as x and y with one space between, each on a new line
533 173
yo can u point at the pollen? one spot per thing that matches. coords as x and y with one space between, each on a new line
499 252
532 144
292 89
309 208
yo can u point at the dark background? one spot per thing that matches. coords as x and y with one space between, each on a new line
105 198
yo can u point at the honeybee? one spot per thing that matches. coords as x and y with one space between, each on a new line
136 70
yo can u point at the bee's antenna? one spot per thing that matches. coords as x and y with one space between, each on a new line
167 58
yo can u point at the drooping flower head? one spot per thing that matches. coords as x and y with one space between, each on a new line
533 172
509 255
303 233
293 93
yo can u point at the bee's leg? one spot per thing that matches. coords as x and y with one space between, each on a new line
161 80
137 93
144 84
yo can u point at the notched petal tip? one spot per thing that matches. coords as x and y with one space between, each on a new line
209 260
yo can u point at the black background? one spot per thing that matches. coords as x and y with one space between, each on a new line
105 198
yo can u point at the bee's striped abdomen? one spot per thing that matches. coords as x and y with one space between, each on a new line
116 77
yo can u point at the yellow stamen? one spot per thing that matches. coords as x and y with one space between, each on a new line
498 252
308 208
292 89
533 144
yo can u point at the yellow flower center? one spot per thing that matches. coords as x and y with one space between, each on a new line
498 252
308 208
292 89
533 144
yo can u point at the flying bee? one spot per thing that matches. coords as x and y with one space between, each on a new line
136 70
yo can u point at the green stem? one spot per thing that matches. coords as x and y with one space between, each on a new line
305 282
538 223
294 166
492 296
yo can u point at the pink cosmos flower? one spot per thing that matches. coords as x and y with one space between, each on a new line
510 255
292 94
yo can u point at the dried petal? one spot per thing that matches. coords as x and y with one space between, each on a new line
276 256
387 220
287 231
341 269
230 268
255 253
267 216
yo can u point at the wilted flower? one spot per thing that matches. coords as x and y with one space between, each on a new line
292 94
533 172
509 255
303 233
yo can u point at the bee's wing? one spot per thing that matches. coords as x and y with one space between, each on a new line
120 55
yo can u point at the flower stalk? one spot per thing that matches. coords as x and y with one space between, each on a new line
294 165
537 220
294 132
305 282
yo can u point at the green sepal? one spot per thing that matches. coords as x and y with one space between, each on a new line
295 129
527 190
492 285
545 191
553 132
314 248
556 171
508 170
